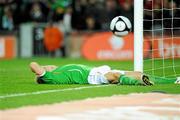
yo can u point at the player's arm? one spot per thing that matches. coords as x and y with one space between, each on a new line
36 68
40 71
49 67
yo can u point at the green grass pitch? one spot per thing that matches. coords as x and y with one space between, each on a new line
16 78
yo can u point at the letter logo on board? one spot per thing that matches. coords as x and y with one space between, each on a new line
106 46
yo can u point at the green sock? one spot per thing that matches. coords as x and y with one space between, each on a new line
161 80
124 80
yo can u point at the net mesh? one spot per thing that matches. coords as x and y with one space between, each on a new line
162 38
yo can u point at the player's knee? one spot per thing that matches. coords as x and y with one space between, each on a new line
138 72
112 76
116 75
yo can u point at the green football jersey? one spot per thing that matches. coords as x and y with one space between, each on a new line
68 74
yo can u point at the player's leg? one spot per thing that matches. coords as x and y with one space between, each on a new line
128 78
139 76
104 74
162 80
116 77
133 74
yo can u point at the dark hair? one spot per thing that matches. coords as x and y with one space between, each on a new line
40 80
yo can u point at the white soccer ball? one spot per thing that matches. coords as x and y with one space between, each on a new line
120 26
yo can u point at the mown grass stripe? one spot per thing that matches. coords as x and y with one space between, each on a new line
49 91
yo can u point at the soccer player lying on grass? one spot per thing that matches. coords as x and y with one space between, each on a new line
82 74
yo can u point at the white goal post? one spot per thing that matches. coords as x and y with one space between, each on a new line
138 35
157 37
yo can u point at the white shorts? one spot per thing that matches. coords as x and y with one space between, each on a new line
96 75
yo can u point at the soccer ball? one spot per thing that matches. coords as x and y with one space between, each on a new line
120 26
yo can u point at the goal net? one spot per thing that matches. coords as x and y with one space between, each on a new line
161 38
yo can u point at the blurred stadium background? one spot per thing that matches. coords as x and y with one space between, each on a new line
29 24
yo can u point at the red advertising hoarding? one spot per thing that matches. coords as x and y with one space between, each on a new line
166 47
7 47
106 46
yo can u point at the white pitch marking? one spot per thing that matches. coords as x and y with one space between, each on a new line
49 118
169 100
48 91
